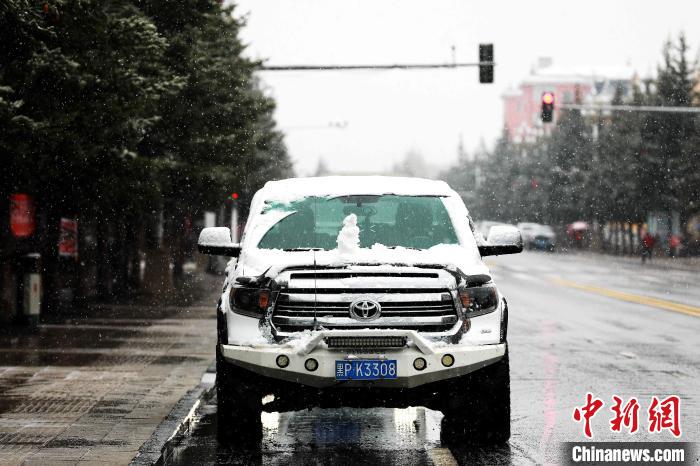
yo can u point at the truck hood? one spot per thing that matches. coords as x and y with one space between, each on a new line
254 262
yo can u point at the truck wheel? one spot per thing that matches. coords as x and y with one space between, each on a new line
478 407
239 406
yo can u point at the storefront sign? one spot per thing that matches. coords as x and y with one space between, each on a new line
22 221
68 239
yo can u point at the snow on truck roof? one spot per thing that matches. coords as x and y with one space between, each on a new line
296 188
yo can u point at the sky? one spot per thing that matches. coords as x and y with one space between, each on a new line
366 121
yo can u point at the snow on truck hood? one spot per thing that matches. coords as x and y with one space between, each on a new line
255 262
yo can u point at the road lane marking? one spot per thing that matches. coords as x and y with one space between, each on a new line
632 298
442 457
523 276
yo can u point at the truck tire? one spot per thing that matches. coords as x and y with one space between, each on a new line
478 407
239 406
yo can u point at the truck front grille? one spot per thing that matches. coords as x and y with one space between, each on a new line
425 309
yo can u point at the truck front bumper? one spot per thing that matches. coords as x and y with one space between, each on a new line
262 359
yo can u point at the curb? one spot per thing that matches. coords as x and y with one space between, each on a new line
682 264
178 422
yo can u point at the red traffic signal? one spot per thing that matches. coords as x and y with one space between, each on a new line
547 107
234 196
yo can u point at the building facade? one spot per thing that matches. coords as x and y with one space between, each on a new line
586 85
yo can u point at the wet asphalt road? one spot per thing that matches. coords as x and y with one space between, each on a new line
578 324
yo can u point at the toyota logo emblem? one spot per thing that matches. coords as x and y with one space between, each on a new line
365 309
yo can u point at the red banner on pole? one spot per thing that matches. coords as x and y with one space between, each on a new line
68 240
22 221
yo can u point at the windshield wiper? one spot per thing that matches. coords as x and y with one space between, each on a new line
303 249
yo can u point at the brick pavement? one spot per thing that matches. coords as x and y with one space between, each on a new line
91 389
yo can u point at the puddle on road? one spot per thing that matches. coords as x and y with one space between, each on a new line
380 428
386 436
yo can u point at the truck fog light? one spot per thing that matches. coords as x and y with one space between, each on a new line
311 364
419 364
448 360
282 361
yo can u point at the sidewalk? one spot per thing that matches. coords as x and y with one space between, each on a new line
91 389
690 264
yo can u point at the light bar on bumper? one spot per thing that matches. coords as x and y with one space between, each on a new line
351 342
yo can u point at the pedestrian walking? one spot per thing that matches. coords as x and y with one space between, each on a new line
648 242
675 245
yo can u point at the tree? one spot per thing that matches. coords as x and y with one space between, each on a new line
668 167
616 192
498 176
463 178
88 75
569 159
216 135
321 168
413 164
111 110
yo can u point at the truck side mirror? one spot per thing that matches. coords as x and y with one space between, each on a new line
216 241
503 239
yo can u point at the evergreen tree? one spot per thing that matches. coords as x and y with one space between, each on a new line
111 110
666 135
463 178
217 134
533 195
497 175
570 156
617 195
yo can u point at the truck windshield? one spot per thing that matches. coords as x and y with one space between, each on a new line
418 222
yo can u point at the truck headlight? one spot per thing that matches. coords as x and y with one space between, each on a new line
249 301
479 300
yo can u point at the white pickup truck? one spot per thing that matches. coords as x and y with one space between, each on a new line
362 291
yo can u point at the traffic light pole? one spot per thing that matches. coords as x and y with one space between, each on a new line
485 64
397 66
631 108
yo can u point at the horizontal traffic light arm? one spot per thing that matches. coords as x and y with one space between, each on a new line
630 108
397 66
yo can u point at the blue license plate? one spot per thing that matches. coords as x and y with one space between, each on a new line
365 369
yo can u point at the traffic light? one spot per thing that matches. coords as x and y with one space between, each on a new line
486 56
547 107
